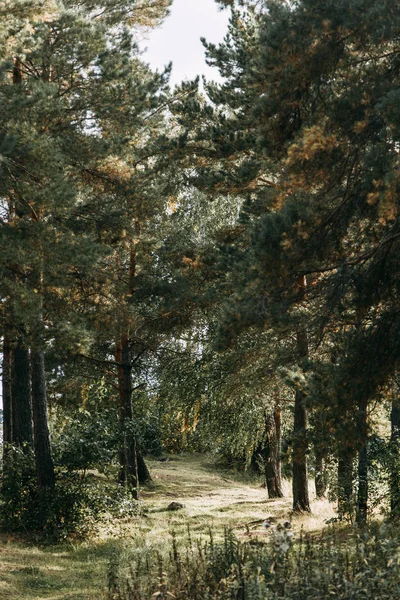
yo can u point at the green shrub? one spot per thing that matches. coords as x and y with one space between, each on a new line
75 505
86 440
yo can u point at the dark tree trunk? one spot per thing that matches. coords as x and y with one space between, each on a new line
272 456
301 501
362 497
17 71
133 468
21 398
43 458
320 473
7 408
395 459
7 402
345 482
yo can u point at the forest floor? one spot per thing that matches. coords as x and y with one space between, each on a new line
211 498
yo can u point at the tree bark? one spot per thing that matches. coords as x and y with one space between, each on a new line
272 455
43 459
362 496
133 468
345 482
395 459
7 408
301 501
21 398
7 402
17 71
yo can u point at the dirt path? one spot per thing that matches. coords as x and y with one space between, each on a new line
210 495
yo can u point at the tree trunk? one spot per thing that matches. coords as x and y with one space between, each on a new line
320 473
7 408
17 71
395 459
345 482
43 458
272 456
301 501
133 468
21 398
7 402
362 496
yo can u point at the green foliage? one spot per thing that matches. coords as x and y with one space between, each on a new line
74 507
346 566
86 440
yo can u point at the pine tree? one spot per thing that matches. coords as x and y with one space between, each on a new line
304 130
68 63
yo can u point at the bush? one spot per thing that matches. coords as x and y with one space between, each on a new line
74 506
86 440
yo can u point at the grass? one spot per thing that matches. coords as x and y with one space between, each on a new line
73 572
212 499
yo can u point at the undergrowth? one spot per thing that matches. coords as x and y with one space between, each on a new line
359 565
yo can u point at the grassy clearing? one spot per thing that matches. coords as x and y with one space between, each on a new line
212 499
73 572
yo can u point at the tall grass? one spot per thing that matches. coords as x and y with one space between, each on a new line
355 565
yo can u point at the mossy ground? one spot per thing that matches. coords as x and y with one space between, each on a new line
211 498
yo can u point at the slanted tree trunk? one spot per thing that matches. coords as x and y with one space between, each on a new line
362 496
272 455
301 501
7 402
395 459
43 459
21 398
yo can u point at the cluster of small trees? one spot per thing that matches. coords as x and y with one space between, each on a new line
234 252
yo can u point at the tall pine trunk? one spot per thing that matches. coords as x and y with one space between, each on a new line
133 467
7 402
7 408
21 398
362 496
301 501
43 459
395 459
345 481
272 456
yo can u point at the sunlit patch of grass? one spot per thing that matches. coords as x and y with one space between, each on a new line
28 572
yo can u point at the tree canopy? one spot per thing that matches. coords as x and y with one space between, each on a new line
210 260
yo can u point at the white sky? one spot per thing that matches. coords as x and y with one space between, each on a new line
178 40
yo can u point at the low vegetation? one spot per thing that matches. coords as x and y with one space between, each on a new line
356 565
214 547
